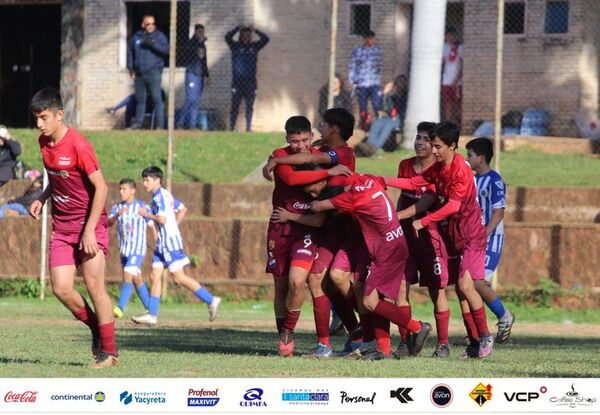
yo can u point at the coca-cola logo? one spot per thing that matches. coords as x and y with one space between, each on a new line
300 205
27 396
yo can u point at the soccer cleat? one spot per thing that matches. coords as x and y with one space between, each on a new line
504 328
418 339
146 319
470 352
286 343
402 351
105 360
118 313
364 349
349 347
375 355
336 325
441 350
322 351
486 346
213 308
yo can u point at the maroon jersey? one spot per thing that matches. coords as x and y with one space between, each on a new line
343 155
368 202
69 163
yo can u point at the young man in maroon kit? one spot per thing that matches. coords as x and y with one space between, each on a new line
455 187
79 224
366 200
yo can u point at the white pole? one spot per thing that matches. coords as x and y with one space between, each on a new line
44 242
332 51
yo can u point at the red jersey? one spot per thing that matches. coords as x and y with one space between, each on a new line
69 163
290 197
368 202
343 155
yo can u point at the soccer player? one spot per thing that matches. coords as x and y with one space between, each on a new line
131 228
79 228
491 192
366 200
455 187
169 249
336 129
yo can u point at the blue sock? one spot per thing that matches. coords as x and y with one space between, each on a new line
497 307
204 295
126 291
153 304
142 291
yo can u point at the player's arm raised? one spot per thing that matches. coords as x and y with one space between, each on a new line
415 209
295 159
88 239
321 205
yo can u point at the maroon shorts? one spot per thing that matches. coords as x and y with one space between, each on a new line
433 272
285 251
64 248
353 256
474 262
330 240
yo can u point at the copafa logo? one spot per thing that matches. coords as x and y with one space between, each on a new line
253 397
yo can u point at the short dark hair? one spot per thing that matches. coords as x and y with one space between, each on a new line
427 126
482 146
368 33
297 124
451 29
46 99
342 119
245 29
446 131
154 172
198 26
128 181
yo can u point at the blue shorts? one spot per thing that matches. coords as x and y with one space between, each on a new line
174 260
132 264
492 259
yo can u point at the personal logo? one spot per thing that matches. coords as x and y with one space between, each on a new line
142 398
23 397
481 394
305 396
99 396
347 398
253 398
441 395
572 399
203 397
523 396
402 394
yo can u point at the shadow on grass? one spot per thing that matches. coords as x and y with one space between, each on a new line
8 361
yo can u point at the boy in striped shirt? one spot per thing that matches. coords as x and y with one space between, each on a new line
491 194
131 228
169 249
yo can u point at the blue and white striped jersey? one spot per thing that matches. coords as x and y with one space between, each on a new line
491 193
131 227
169 237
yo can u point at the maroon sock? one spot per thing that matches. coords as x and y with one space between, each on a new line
279 322
88 317
291 319
107 336
481 322
470 326
403 333
366 321
345 311
395 314
321 312
442 320
382 334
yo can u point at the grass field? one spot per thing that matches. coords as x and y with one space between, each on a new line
41 339
224 157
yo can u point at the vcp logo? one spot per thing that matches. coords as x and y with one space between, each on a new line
524 396
253 397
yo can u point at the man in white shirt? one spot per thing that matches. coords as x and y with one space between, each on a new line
452 78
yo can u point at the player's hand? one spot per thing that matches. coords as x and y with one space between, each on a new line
35 209
280 215
88 243
340 170
143 212
417 226
268 168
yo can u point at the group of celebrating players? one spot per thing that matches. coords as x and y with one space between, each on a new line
338 232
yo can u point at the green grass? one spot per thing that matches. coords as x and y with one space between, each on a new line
40 339
225 157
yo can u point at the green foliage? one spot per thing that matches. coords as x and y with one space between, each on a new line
194 261
29 288
262 292
544 295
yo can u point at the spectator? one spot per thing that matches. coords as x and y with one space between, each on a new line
390 118
9 151
341 96
365 69
244 53
452 78
146 54
194 54
130 105
20 205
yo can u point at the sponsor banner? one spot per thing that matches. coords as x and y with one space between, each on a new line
300 395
